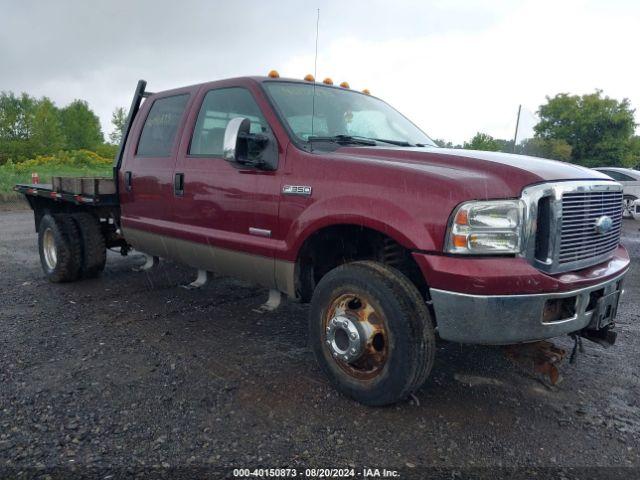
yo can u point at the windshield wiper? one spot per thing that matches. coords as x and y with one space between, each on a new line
400 143
359 140
343 140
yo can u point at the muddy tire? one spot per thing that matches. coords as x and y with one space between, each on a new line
92 243
371 332
59 248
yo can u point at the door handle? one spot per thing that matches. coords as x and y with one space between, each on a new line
127 181
178 184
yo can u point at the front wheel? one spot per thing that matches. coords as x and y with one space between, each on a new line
627 206
371 332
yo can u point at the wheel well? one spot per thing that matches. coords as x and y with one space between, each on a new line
338 244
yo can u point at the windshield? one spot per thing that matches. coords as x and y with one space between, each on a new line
341 112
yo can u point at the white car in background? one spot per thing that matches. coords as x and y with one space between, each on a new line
630 180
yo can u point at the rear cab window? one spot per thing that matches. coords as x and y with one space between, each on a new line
161 126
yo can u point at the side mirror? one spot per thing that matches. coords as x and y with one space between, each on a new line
248 149
233 147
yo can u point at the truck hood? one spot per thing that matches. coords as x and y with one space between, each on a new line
473 171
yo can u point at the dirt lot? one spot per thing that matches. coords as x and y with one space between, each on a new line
129 371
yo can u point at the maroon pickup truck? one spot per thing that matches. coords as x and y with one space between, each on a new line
332 197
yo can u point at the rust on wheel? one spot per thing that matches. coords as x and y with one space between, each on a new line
356 336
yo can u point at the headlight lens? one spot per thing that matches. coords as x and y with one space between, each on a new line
486 227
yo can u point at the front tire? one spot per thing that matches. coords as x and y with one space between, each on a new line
371 332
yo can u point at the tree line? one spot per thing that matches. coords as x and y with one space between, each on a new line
32 126
590 130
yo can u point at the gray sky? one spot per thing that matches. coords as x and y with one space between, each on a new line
454 67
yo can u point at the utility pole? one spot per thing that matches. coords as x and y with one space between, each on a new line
515 135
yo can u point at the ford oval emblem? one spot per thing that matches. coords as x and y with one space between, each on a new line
604 224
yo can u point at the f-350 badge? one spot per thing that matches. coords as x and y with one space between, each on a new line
303 190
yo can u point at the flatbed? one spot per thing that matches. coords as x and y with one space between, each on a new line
46 190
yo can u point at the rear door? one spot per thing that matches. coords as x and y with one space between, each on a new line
147 173
229 213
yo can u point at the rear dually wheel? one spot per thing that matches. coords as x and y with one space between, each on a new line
93 247
59 250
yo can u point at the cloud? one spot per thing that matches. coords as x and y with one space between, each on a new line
455 67
456 83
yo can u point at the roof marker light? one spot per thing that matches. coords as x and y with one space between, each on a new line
366 91
327 81
274 74
344 84
309 78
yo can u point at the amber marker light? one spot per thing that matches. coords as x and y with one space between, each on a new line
460 241
462 217
327 81
274 74
366 91
344 85
309 78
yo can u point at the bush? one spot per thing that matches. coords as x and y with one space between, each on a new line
75 163
73 159
107 150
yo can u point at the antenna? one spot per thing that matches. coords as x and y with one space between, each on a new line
315 60
515 135
315 73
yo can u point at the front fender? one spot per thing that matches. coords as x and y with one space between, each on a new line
377 214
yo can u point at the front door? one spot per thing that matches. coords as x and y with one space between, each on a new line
229 213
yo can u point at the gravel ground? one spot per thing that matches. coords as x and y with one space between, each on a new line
129 372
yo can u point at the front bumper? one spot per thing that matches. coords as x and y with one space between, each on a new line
507 319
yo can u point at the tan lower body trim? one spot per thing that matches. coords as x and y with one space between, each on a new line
265 271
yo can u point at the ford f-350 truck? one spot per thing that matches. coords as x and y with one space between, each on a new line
332 197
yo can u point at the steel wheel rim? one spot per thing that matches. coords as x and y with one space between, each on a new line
49 249
363 314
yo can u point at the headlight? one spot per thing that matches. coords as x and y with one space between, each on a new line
485 227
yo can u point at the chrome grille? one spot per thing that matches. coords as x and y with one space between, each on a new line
560 233
579 239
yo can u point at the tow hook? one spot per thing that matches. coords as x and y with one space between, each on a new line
605 336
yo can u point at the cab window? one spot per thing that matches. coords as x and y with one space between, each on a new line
160 128
218 108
